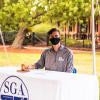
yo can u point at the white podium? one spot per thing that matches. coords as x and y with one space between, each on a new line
46 85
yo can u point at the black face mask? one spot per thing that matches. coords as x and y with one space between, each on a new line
55 41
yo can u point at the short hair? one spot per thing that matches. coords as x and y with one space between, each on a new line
53 30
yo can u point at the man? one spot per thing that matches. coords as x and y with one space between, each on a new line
56 58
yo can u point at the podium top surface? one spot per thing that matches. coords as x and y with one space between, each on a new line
44 74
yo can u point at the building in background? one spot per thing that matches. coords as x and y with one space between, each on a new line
80 30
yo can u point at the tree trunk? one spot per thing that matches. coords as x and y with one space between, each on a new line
18 42
58 24
1 3
99 25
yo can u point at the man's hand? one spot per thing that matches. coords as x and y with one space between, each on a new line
24 67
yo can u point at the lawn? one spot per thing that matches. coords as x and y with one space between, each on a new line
16 59
82 61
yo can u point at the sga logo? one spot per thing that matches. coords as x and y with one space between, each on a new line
13 88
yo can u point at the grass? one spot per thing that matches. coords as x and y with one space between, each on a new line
82 60
16 59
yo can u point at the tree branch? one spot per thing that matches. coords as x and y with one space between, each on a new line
38 15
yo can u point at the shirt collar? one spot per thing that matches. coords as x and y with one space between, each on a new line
60 48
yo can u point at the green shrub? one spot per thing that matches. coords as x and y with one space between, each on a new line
42 29
76 43
8 37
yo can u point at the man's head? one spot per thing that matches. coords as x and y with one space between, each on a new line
54 36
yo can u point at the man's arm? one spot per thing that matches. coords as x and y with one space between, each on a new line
70 63
41 62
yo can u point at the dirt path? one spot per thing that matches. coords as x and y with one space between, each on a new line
24 50
31 49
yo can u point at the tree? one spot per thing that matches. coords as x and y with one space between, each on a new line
19 15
